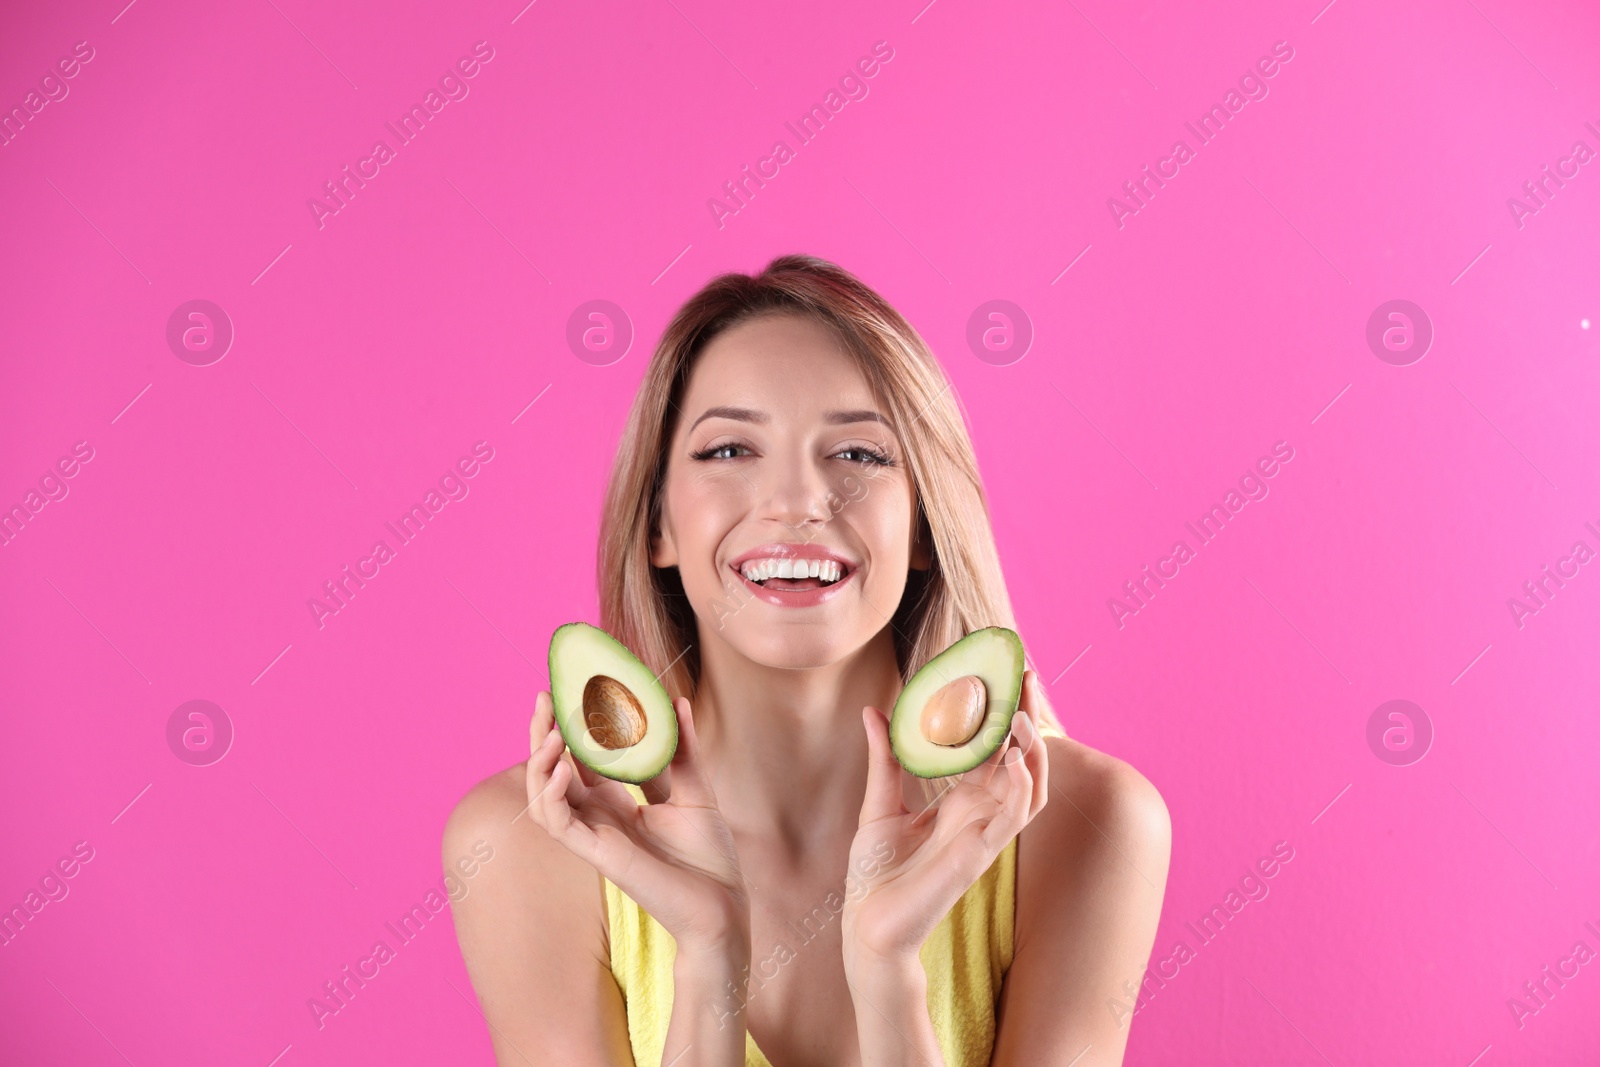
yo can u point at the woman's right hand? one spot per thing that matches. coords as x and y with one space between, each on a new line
676 859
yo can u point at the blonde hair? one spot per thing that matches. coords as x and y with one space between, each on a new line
645 607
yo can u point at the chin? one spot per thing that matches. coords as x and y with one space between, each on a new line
799 648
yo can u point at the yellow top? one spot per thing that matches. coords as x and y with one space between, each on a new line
965 958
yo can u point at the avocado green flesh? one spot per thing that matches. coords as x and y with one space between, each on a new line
994 655
579 652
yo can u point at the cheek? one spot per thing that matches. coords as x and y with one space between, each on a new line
882 520
704 510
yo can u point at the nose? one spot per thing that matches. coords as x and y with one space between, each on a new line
797 495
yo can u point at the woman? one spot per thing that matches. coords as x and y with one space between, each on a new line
784 893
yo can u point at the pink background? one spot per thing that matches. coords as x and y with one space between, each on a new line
372 352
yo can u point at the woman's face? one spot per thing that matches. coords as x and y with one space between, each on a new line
782 463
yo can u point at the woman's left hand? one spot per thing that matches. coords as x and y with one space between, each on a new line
908 868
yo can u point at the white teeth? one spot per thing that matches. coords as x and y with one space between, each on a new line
759 570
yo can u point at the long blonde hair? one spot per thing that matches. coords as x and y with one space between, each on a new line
645 607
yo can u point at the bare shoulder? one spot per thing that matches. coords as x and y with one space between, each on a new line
531 877
1099 788
484 802
1091 877
1104 824
531 924
493 807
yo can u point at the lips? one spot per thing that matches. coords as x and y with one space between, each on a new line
781 573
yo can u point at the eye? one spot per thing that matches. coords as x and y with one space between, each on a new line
867 456
716 452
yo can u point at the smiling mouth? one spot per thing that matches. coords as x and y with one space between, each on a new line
768 575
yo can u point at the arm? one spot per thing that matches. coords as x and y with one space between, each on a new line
893 1028
1091 874
916 865
531 933
533 927
710 987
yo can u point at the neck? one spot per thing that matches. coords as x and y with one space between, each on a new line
785 748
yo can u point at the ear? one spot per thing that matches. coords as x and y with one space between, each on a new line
921 544
663 549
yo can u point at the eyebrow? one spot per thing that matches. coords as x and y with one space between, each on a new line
760 418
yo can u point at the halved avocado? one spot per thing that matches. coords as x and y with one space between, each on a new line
956 710
612 712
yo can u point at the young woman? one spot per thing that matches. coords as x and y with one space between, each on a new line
784 893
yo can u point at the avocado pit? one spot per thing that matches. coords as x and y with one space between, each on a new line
954 713
612 713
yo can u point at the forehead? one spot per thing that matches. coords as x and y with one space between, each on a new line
777 362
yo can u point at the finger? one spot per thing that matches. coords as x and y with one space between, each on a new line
690 785
1033 702
658 790
1043 710
1036 756
576 788
1014 811
555 804
1029 705
983 775
1024 745
543 729
1040 763
559 820
1025 730
962 862
543 719
541 761
549 805
557 795
586 774
884 798
1023 734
